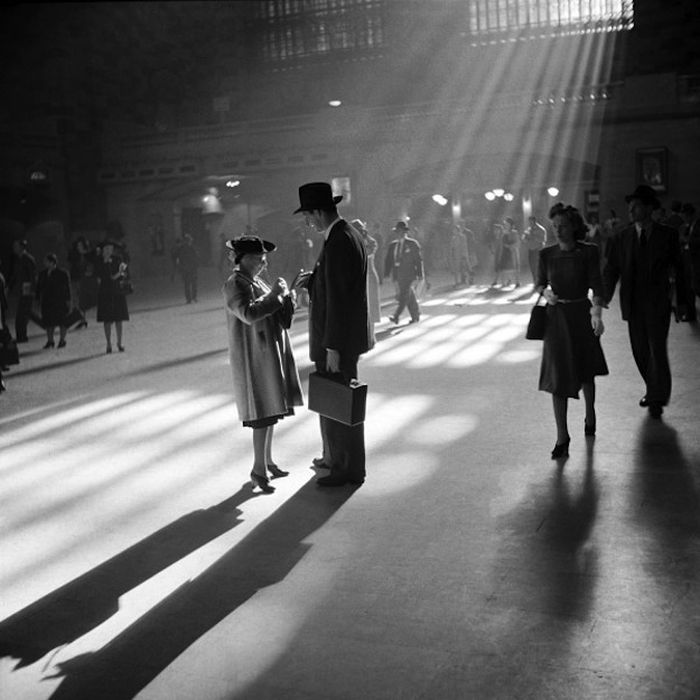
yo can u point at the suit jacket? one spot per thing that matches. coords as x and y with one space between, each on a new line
409 267
338 310
664 256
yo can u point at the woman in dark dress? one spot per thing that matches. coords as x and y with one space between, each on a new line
111 301
571 354
54 295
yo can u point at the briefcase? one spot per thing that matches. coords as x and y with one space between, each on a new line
336 400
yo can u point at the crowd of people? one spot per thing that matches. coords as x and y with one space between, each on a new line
654 260
644 259
55 297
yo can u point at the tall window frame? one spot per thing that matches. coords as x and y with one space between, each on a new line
489 18
294 30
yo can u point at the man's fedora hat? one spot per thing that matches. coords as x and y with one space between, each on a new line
645 194
401 226
316 195
250 244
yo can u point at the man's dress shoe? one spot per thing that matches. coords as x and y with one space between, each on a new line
336 480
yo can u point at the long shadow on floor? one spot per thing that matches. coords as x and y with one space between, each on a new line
86 602
134 658
169 364
59 364
666 500
558 570
666 489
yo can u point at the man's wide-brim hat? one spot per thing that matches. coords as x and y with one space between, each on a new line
401 226
317 195
250 244
645 194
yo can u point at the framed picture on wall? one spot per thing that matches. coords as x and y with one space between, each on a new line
652 167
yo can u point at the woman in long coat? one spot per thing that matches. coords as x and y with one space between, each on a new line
54 294
266 382
571 353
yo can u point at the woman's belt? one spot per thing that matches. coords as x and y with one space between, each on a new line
571 301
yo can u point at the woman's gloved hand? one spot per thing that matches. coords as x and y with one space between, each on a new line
550 296
597 320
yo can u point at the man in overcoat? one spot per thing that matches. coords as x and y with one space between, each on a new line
404 264
644 257
339 326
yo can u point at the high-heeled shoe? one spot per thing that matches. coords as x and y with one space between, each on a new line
109 349
276 471
588 428
561 449
49 344
262 482
120 347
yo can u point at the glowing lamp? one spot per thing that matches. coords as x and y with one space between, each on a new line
490 196
552 191
439 199
499 192
334 103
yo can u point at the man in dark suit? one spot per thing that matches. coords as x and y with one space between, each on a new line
404 264
644 257
339 326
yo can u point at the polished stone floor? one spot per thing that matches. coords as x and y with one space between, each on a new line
136 560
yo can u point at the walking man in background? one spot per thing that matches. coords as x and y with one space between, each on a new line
404 264
339 326
644 257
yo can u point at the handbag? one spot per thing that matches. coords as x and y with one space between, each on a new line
9 353
334 399
73 317
537 325
124 286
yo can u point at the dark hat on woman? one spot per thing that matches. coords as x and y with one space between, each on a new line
645 194
250 244
317 195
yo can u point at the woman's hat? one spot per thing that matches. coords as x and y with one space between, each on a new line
250 244
317 195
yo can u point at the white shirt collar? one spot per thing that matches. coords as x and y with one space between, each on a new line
327 232
641 228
